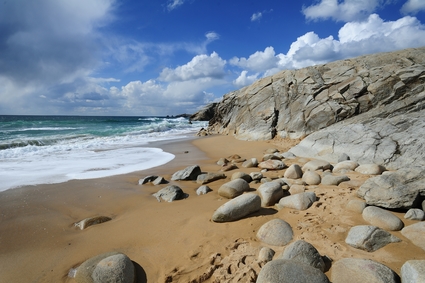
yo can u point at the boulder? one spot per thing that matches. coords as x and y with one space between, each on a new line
203 190
235 158
108 267
296 189
256 176
85 223
343 157
300 201
413 271
415 214
316 164
382 218
222 161
415 233
304 252
331 180
170 193
288 155
290 271
189 173
147 179
293 172
272 165
356 205
370 169
276 232
228 167
356 270
241 175
270 192
344 166
369 238
160 181
266 254
237 208
398 189
206 178
271 157
311 178
249 163
233 188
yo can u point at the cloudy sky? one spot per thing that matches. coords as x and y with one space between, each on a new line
167 57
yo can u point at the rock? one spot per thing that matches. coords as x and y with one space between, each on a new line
228 167
369 238
237 208
413 271
355 205
311 178
252 162
271 157
104 268
290 271
270 193
331 180
288 155
85 223
370 169
272 150
170 193
415 214
235 158
206 178
222 161
344 166
159 181
399 189
233 188
147 179
296 189
293 172
272 165
205 114
256 176
189 173
415 233
276 232
382 218
300 201
317 164
356 270
203 190
241 175
303 252
343 157
266 254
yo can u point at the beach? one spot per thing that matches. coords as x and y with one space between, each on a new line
170 242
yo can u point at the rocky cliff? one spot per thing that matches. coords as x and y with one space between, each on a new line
369 107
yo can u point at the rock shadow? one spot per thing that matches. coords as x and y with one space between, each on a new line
140 273
262 212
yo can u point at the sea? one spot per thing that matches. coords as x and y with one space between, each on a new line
53 149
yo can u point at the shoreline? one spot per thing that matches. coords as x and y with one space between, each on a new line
39 243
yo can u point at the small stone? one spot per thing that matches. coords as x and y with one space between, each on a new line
85 223
382 218
189 173
272 165
159 181
202 190
345 166
229 167
331 180
270 192
147 179
266 254
206 178
170 193
256 176
369 238
311 178
237 208
296 189
355 205
301 201
316 164
304 252
252 162
241 175
413 271
415 214
233 188
222 161
370 169
276 232
293 172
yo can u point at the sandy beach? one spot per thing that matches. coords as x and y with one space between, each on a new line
170 242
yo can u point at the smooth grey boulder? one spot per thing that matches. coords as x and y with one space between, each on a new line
270 156
415 214
356 270
370 169
237 208
233 188
296 189
189 173
343 166
415 233
293 172
331 180
85 223
413 271
104 268
203 190
288 155
311 178
256 176
270 192
399 189
272 165
147 179
369 238
343 157
249 163
382 218
290 271
228 167
301 201
316 164
304 252
276 232
356 205
241 175
170 193
266 254
222 161
206 178
159 181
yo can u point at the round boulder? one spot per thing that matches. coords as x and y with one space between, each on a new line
270 192
293 172
276 232
233 188
311 178
237 208
382 218
272 165
304 252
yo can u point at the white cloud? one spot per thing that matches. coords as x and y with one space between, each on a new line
173 4
348 10
413 6
256 16
259 61
244 80
201 66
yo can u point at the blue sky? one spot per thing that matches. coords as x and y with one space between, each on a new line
168 57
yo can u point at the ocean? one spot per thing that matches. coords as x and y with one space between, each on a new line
54 149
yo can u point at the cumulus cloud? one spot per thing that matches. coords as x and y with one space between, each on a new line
244 79
413 6
173 4
259 61
346 11
256 16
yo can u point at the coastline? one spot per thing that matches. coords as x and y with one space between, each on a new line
39 243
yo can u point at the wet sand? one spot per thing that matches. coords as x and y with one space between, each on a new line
170 241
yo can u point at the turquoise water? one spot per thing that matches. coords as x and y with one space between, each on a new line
51 149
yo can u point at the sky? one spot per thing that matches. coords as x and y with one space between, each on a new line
169 57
